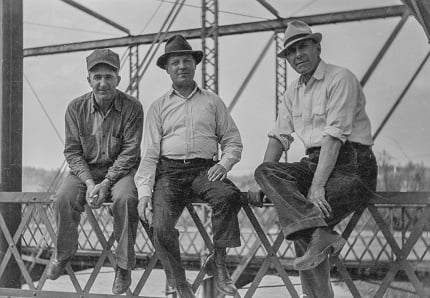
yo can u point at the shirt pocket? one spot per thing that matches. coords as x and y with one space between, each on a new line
297 121
89 146
115 146
319 117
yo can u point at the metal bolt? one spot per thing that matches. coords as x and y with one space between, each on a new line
34 198
34 294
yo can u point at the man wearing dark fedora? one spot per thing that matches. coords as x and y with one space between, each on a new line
180 160
325 108
102 147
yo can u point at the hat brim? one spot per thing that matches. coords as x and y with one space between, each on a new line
162 60
315 36
102 61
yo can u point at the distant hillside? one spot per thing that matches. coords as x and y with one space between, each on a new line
37 179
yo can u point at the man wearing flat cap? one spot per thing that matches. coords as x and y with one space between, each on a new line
180 161
102 147
325 108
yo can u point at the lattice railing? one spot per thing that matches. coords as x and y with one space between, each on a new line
391 232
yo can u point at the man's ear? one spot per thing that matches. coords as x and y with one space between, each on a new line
119 80
88 79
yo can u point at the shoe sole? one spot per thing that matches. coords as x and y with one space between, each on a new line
333 249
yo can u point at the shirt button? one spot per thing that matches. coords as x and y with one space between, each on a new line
103 152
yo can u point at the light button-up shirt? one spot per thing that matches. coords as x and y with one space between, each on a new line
331 103
184 128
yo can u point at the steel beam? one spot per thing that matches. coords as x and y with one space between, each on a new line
252 27
97 15
11 71
393 108
251 73
384 49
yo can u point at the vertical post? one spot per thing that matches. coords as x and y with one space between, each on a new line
134 70
281 76
11 73
281 72
210 45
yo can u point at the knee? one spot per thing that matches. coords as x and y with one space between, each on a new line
63 202
123 202
262 170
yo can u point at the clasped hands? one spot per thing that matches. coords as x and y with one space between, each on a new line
97 193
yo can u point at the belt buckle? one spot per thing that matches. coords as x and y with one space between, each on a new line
186 162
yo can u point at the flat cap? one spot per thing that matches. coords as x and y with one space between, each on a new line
105 56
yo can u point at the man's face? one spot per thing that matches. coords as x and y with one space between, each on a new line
181 69
103 79
304 56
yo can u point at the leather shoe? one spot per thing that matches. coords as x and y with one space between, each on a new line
184 290
122 280
56 268
223 282
323 243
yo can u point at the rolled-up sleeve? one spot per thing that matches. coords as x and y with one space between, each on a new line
73 151
130 149
283 126
229 136
343 96
145 175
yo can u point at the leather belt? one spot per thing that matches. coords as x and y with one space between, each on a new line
189 161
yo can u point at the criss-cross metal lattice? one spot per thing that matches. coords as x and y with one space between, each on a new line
281 72
210 45
391 232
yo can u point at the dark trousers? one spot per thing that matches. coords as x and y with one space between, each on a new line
69 204
176 184
348 187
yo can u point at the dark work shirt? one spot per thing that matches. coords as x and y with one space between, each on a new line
108 141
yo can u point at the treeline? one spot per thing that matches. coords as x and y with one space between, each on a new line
391 177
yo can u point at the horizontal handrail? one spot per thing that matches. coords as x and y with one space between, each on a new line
380 198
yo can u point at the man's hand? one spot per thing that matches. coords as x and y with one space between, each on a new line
144 207
255 196
98 194
316 195
217 172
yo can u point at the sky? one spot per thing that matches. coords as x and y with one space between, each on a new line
51 82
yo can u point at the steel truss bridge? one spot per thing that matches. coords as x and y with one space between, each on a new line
388 238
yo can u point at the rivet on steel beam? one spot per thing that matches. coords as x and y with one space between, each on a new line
34 294
34 198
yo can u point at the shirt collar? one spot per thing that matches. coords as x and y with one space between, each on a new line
317 75
174 91
117 102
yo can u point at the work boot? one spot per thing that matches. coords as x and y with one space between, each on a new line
184 290
223 282
122 280
323 242
56 268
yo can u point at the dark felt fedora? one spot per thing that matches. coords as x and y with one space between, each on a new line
177 44
296 31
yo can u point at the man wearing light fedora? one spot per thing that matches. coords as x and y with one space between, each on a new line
102 147
325 108
180 160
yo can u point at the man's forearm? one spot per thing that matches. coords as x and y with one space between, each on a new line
327 160
273 151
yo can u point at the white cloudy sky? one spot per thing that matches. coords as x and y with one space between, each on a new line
57 79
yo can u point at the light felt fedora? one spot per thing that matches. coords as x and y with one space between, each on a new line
296 31
177 44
